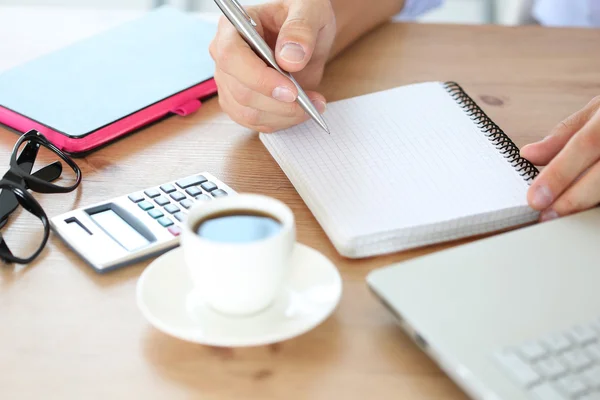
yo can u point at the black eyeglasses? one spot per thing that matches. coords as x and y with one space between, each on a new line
19 178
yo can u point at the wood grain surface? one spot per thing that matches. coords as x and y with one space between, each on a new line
67 332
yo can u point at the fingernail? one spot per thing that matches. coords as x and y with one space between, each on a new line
542 197
548 215
284 94
320 106
292 52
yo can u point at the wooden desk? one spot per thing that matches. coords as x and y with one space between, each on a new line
66 332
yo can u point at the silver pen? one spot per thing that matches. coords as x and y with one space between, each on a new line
245 25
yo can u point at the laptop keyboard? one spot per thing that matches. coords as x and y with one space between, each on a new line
560 366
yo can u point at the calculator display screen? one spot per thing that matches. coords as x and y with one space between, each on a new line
119 230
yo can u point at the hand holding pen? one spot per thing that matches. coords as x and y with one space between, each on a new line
256 95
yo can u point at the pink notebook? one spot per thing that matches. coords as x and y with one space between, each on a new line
93 92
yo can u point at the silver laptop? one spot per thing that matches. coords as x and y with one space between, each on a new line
515 316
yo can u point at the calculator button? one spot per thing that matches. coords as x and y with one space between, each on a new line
175 230
145 205
155 213
191 181
187 203
177 196
209 186
168 188
203 197
165 221
161 200
172 208
179 216
193 191
219 193
136 197
152 193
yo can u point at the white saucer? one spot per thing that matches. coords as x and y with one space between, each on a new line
166 299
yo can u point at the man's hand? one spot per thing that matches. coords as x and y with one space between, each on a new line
302 34
571 153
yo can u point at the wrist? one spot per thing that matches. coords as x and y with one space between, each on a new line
354 18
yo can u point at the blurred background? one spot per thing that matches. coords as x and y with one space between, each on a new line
505 12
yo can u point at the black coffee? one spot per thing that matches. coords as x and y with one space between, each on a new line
238 226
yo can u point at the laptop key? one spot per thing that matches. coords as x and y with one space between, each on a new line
203 197
593 351
592 377
546 391
179 216
571 386
575 360
521 372
591 396
583 334
557 342
533 351
550 368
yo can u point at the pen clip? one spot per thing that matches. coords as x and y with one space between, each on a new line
248 17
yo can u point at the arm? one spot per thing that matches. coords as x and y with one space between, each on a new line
354 18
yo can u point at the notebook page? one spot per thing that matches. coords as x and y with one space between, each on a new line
403 158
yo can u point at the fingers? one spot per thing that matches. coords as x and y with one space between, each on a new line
247 97
233 56
541 153
297 38
256 95
579 154
259 112
584 194
567 169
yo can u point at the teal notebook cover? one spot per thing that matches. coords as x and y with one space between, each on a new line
101 79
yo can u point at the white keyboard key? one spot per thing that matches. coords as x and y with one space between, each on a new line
583 334
550 368
557 342
575 359
546 392
533 351
592 377
593 350
595 325
571 386
591 396
518 369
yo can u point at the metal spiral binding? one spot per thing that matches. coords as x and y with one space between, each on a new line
500 140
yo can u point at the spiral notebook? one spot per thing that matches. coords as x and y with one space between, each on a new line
403 168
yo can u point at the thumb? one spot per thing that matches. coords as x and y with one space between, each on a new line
298 35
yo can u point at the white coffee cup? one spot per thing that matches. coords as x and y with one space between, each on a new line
239 278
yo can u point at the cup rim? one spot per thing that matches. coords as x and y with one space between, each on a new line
284 215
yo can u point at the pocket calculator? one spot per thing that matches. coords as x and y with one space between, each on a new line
138 225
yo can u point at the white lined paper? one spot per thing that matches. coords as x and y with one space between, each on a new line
406 164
